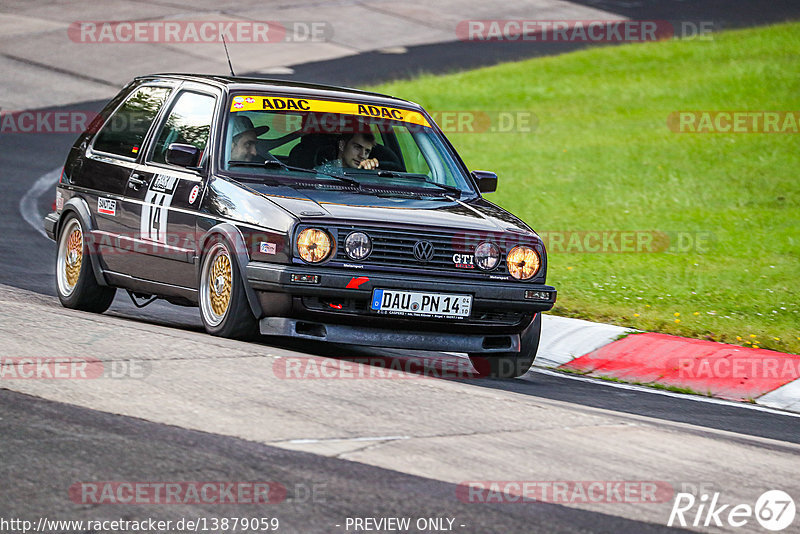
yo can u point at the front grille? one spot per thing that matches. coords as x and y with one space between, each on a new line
395 248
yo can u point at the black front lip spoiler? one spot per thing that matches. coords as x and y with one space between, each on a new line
380 337
509 296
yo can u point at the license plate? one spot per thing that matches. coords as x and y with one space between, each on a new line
421 304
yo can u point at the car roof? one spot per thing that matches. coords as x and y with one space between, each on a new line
243 83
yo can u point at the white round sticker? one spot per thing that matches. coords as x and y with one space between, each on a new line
775 510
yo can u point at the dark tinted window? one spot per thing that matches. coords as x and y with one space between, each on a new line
124 131
189 123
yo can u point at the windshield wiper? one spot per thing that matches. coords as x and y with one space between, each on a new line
455 191
276 164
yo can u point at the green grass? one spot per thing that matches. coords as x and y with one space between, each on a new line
603 158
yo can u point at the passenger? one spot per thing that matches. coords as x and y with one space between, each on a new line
353 152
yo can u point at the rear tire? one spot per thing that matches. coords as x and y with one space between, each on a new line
511 364
223 303
76 285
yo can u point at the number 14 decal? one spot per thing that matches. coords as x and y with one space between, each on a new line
155 210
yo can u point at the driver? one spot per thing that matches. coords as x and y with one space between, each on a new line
353 152
243 141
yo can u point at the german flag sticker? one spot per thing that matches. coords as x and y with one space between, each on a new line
135 150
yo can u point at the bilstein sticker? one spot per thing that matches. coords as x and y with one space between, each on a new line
107 206
261 103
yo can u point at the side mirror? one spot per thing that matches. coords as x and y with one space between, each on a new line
182 155
485 180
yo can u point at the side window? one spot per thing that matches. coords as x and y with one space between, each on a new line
124 131
189 123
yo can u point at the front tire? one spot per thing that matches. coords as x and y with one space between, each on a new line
76 285
223 303
511 364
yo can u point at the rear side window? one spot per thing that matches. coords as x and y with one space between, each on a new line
189 123
124 131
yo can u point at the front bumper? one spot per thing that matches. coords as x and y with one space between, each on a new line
503 302
334 283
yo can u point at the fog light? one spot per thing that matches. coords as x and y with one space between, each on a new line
537 295
305 279
358 245
487 256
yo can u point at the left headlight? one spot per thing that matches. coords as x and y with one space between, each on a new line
523 262
314 245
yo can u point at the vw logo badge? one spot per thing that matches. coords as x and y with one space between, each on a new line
423 251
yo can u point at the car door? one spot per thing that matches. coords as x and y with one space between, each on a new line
107 166
163 198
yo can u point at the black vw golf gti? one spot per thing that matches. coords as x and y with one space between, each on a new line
288 209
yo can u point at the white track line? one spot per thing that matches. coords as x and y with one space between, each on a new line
696 398
28 203
334 440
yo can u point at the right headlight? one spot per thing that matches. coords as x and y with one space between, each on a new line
314 245
523 262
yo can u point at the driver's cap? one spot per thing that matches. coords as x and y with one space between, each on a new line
242 124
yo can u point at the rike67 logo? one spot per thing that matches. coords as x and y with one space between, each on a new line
774 510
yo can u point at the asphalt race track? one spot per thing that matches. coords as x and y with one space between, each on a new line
209 409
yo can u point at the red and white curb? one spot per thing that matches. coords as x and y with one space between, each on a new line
565 339
719 370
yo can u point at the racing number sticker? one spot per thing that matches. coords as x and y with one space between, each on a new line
155 210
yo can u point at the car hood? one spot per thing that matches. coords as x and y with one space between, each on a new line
360 207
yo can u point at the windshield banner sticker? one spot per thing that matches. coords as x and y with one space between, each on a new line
269 103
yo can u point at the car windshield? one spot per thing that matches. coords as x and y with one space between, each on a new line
301 141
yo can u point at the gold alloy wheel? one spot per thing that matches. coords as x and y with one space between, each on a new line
70 257
73 256
216 285
220 283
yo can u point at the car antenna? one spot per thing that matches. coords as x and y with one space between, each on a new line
227 54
